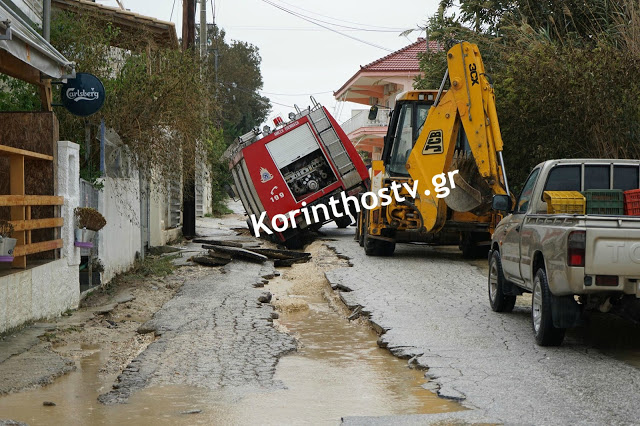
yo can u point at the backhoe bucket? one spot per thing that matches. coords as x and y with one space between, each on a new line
463 197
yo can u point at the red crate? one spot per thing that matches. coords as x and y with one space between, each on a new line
632 202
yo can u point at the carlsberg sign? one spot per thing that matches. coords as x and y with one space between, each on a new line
83 95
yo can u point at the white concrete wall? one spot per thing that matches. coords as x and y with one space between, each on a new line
207 193
119 242
159 234
48 290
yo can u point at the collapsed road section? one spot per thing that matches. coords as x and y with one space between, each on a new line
300 163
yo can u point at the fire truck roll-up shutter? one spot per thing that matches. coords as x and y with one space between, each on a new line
292 146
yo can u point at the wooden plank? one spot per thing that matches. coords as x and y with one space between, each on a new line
17 188
14 67
28 225
24 250
30 200
11 151
237 252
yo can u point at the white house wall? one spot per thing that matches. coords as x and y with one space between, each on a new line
120 240
48 290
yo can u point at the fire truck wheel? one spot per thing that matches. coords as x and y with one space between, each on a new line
343 222
294 243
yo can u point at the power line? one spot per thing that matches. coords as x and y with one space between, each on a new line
172 7
341 20
300 15
297 94
324 26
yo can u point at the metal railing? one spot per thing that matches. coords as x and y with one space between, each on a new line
361 119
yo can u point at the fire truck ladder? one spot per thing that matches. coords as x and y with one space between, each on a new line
332 142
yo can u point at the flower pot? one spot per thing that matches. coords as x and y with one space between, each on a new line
84 238
6 249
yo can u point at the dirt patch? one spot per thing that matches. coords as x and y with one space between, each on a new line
114 332
297 285
107 321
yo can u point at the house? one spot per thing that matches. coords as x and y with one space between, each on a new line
38 179
378 83
139 213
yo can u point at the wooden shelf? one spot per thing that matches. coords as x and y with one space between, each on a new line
30 225
6 151
30 200
26 249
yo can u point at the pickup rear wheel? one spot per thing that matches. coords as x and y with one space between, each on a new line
499 301
546 334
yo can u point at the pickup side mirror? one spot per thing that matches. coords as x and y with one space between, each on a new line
501 203
373 113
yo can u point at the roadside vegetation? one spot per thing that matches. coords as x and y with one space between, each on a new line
566 74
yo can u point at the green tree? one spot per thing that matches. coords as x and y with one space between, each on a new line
566 75
238 79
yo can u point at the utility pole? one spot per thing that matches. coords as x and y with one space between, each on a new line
203 28
188 24
188 158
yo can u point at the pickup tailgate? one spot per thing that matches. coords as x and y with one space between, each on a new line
613 246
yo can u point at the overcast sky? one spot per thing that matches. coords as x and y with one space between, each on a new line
298 57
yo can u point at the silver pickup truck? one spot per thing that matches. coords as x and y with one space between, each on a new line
570 263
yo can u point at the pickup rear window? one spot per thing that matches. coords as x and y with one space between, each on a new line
596 176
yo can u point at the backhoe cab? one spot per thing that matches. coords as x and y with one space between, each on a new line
456 175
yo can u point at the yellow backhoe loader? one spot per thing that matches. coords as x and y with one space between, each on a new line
446 148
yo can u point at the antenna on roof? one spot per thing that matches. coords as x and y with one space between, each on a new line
120 4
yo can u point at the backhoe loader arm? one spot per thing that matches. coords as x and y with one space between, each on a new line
469 102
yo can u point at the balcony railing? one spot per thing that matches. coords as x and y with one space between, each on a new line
21 204
361 119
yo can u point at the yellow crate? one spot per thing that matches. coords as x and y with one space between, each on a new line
567 202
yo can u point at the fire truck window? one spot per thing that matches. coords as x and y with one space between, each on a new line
596 177
403 142
625 177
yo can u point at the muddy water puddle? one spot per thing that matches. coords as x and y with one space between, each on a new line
337 371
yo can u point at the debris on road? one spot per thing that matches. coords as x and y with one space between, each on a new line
265 297
223 252
218 242
210 261
237 252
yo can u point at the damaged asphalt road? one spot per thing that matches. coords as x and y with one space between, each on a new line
434 309
213 333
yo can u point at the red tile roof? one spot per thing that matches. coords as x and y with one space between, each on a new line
405 59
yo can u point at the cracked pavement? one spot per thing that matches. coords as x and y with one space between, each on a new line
434 309
214 333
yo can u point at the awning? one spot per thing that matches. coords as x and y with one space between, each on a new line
19 40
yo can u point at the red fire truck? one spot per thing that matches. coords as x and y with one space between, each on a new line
299 163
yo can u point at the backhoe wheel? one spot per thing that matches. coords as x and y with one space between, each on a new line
374 247
362 227
546 334
499 301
